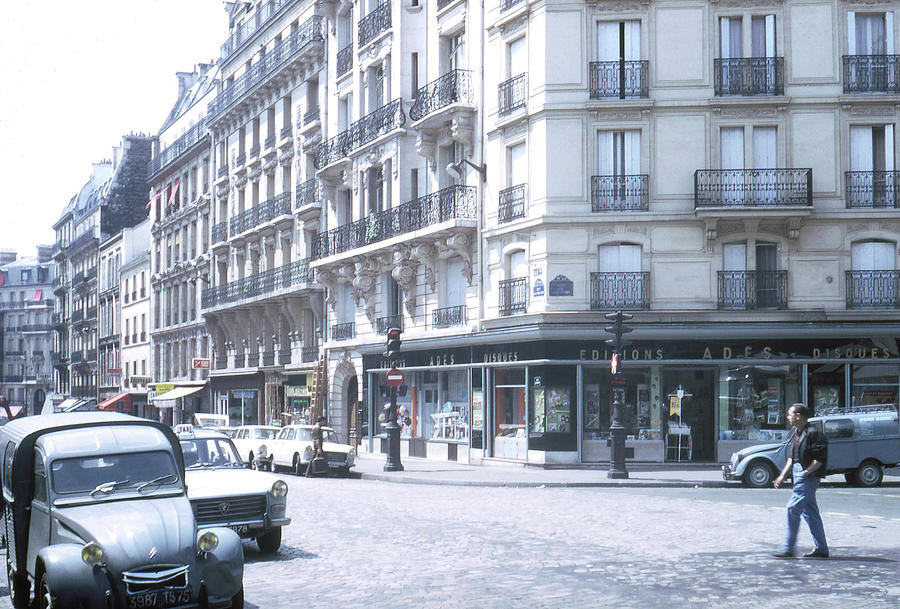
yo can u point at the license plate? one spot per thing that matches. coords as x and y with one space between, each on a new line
159 599
240 529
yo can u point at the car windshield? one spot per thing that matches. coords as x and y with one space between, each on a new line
329 436
210 452
264 434
102 475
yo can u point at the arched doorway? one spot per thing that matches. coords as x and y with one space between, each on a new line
354 412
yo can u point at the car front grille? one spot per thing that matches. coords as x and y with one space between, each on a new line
229 509
155 577
334 457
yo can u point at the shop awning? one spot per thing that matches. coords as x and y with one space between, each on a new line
113 402
178 392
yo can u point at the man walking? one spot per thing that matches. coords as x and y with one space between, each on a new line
807 462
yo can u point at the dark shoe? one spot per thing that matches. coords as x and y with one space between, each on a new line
783 555
817 554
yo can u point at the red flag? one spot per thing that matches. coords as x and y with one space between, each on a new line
174 190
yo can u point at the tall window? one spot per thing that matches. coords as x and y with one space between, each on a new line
870 33
618 40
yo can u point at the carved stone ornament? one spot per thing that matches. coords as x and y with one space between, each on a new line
365 285
328 279
426 146
239 180
285 156
404 273
427 254
270 163
222 190
461 129
460 244
254 172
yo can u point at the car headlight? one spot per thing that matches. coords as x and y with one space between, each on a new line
279 489
208 541
92 553
307 453
351 457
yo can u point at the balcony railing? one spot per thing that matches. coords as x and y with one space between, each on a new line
452 203
619 79
268 358
513 295
310 31
620 290
259 284
286 132
309 354
178 147
373 24
871 73
512 94
254 151
383 324
743 290
12 378
77 357
343 331
505 5
82 239
512 203
344 60
873 289
241 34
872 188
220 232
77 316
311 116
14 353
35 328
749 76
454 87
84 391
307 193
753 188
284 356
253 359
240 160
270 209
448 317
620 193
369 128
222 171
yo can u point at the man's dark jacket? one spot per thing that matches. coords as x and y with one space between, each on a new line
813 446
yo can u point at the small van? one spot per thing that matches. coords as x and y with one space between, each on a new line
862 441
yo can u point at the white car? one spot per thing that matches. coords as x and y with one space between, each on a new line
224 493
252 442
293 449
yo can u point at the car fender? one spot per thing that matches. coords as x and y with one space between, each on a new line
70 579
765 456
223 568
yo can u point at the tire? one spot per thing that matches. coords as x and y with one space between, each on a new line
758 474
270 542
270 464
237 601
850 477
19 590
44 598
869 473
299 469
251 462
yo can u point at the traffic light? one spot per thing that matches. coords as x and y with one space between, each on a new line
393 342
618 318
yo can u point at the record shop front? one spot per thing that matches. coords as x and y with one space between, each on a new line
549 402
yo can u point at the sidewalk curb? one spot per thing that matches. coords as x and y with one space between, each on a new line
400 479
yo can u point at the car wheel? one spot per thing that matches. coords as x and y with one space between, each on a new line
270 465
869 473
850 477
252 462
758 475
270 542
298 466
237 601
45 595
18 585
344 471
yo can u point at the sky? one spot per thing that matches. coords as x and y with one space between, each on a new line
75 78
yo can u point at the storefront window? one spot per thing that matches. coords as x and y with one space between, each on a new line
242 407
640 415
552 408
509 413
753 401
826 387
477 410
445 406
875 384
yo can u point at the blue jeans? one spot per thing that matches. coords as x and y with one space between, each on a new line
803 503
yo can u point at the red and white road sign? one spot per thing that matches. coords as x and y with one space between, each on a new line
394 377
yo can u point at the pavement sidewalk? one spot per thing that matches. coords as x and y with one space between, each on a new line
503 474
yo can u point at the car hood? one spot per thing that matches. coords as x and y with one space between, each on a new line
206 483
128 531
758 448
333 447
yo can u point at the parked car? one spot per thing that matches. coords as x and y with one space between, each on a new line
293 449
96 513
861 443
224 493
252 442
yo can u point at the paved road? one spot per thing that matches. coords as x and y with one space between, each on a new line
377 544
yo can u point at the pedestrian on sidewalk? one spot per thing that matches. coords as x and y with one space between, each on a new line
807 463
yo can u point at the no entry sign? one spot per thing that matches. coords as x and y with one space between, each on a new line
394 377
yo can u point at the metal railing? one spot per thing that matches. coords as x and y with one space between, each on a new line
753 188
14 353
505 5
307 193
82 239
220 232
311 116
454 202
448 317
344 331
270 142
344 60
181 145
619 79
871 73
620 290
383 324
77 316
287 132
77 357
222 171
240 160
512 203
253 359
373 24
513 295
309 354
242 33
84 391
268 358
35 328
254 152
749 76
743 290
512 94
873 289
270 209
872 188
295 273
620 193
240 360
370 127
454 87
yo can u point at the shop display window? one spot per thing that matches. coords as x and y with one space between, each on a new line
509 402
753 402
477 410
875 384
445 406
553 412
826 387
640 413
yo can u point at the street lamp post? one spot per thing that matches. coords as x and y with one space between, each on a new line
391 428
617 467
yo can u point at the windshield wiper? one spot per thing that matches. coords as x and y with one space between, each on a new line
200 464
109 487
156 480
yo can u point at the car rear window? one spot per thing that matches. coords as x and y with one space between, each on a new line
86 474
263 434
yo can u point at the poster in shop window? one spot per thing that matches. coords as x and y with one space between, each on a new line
538 416
558 409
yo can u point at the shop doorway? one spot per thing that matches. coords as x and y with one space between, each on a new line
689 414
354 417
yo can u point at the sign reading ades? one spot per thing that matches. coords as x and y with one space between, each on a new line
561 286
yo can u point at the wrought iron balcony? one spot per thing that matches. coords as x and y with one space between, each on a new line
181 145
294 273
505 5
253 359
77 357
512 203
873 289
448 317
343 331
35 328
309 354
284 356
12 378
84 391
240 360
744 290
222 171
220 232
365 130
373 24
344 60
82 240
872 189
14 353
280 205
91 313
307 192
452 203
454 87
254 152
286 132
311 116
513 296
240 160
383 324
620 193
77 316
753 188
512 94
241 34
749 76
270 142
268 358
619 79
871 73
620 290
